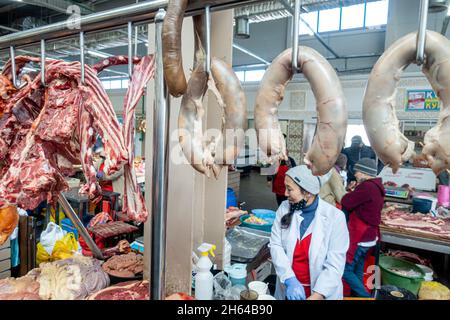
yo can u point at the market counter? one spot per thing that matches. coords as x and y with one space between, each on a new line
409 239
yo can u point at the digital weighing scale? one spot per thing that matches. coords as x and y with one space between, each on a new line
399 193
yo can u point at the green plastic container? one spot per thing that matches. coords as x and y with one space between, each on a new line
389 277
268 215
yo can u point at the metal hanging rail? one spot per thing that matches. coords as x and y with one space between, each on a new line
295 27
208 38
422 34
113 19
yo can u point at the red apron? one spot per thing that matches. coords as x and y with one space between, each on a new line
356 228
278 186
106 184
300 263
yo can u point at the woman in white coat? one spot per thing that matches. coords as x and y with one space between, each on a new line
309 241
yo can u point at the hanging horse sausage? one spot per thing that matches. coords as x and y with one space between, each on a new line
171 40
210 156
379 116
330 105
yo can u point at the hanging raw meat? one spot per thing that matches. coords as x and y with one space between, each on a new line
379 115
44 131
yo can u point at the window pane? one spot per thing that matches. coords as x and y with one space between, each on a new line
311 20
106 84
254 75
352 17
125 83
241 75
116 84
377 13
329 19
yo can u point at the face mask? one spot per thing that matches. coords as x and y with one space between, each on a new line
298 206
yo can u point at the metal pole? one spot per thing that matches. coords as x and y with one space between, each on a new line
12 56
251 54
79 225
208 38
295 27
82 56
130 49
43 62
421 35
160 169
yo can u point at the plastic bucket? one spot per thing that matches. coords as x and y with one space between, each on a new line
389 277
237 273
231 198
422 205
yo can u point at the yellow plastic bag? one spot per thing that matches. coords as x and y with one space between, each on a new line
65 248
42 255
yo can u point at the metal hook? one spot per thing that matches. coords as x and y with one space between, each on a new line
208 38
13 66
422 33
43 62
295 28
82 57
130 49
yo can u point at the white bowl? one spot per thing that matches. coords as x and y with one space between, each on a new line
258 286
266 297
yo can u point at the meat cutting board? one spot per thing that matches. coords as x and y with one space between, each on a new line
414 234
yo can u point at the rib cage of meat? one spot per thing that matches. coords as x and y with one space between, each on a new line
44 131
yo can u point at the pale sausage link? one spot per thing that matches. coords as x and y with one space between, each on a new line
379 115
330 105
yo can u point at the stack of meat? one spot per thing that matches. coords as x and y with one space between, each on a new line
24 288
131 290
420 223
47 129
125 266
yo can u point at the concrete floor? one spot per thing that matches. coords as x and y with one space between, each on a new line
256 193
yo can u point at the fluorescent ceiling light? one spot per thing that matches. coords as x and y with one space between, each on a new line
98 54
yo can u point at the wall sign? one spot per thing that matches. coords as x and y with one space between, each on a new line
422 100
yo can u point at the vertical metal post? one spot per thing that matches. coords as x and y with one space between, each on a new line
295 28
160 169
12 56
130 49
43 62
421 35
68 210
136 32
208 38
82 56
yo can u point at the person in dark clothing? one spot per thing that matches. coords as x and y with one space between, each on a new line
364 205
356 152
278 186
